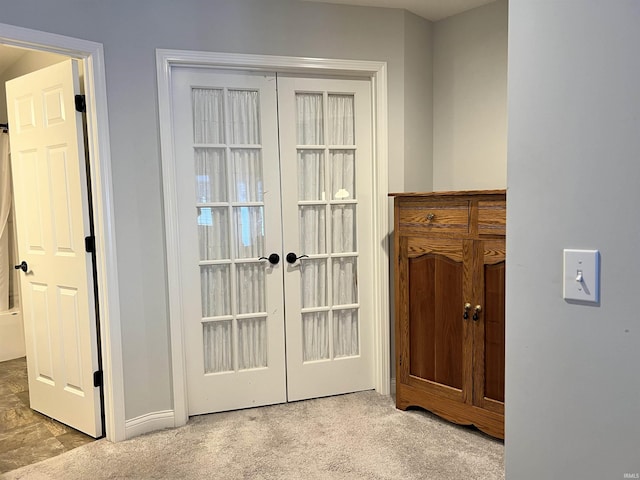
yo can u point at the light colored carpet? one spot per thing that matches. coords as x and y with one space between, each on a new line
356 436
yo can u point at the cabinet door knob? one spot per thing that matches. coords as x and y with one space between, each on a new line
430 216
476 312
467 307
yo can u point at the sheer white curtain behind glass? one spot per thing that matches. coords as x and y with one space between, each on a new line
244 120
313 224
228 162
341 124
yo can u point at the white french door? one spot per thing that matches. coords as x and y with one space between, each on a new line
325 139
228 185
274 268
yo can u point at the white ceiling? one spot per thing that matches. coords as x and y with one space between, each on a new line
430 9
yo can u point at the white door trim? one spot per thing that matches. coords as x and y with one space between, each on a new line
91 53
166 60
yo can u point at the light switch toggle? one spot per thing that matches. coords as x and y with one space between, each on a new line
581 276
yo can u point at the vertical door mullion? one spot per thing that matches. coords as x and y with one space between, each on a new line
328 173
233 253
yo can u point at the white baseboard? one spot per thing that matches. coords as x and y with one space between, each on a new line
149 422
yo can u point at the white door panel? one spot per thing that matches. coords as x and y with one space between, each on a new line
325 145
229 216
52 218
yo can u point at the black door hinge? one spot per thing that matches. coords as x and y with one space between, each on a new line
81 104
97 378
90 244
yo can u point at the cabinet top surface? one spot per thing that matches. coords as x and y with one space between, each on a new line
448 194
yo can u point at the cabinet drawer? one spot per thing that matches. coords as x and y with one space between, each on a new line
449 217
492 217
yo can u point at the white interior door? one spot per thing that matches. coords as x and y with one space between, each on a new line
52 219
235 206
325 143
228 185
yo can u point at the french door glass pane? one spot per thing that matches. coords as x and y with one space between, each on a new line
230 219
208 115
328 165
345 281
343 228
310 118
314 282
250 288
215 281
311 175
247 175
213 233
249 227
244 117
315 333
211 175
345 333
218 346
252 343
313 229
340 119
343 184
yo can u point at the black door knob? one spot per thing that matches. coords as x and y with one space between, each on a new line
274 258
23 266
293 258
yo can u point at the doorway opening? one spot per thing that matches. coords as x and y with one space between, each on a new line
375 73
91 56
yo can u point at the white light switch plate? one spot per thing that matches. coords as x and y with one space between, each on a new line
582 275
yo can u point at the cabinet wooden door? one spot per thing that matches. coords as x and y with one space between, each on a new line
436 341
490 327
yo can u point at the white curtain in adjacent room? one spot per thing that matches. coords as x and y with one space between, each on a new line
5 208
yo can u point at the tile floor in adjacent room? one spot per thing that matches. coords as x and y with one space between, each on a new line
27 436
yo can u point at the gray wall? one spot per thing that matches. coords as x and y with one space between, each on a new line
130 33
470 99
573 371
418 114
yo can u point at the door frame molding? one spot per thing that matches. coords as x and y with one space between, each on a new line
166 60
92 56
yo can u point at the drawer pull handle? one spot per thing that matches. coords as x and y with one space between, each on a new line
430 216
467 307
477 311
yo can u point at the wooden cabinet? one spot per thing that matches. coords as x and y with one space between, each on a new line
450 296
